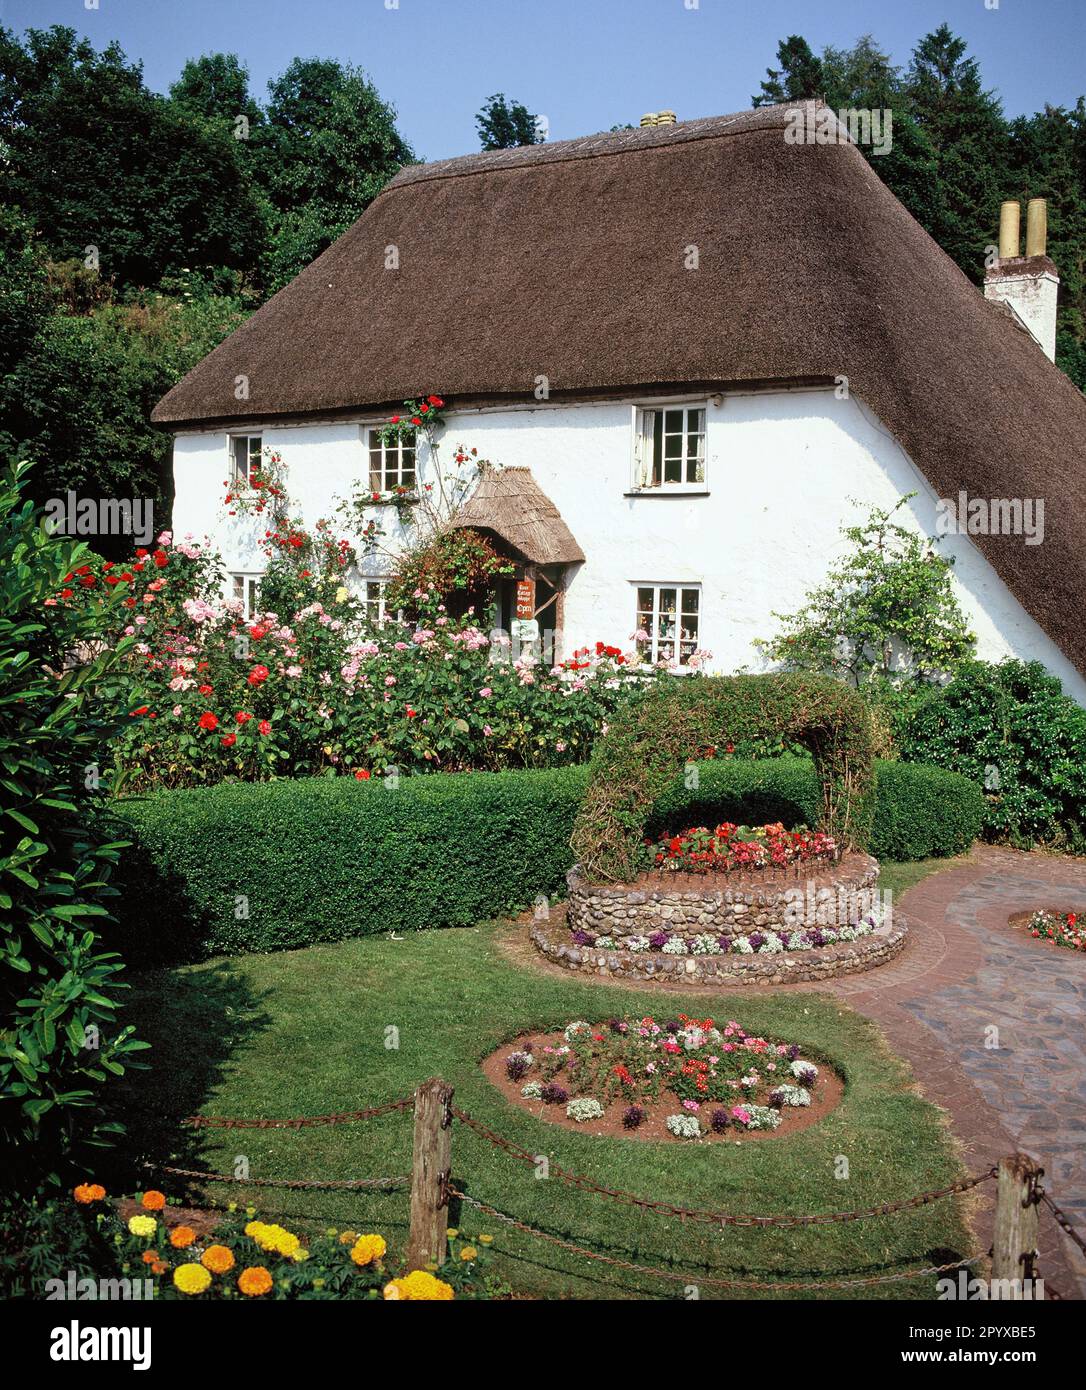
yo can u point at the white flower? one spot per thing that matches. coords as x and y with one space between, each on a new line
684 1126
674 946
584 1108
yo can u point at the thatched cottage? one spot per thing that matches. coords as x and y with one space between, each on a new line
696 349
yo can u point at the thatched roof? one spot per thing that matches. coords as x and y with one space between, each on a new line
510 503
567 260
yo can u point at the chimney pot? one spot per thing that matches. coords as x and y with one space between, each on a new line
649 118
1009 235
1036 227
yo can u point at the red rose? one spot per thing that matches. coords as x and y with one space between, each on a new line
130 603
435 401
242 717
411 713
66 593
161 559
258 675
395 419
142 710
229 740
206 689
416 420
140 553
423 408
362 775
263 727
209 720
88 581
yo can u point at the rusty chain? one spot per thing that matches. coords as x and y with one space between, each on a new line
303 1121
711 1281
1063 1221
345 1183
716 1218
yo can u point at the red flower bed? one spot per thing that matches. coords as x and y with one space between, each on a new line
740 847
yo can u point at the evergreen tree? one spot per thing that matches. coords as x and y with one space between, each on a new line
798 78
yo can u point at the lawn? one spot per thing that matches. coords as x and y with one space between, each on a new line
311 1031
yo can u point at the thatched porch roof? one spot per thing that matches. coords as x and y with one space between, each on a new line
511 504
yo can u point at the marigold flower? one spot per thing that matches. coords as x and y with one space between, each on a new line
254 1281
485 1240
142 1226
348 1237
181 1237
217 1258
153 1201
419 1286
366 1249
191 1278
469 1252
88 1192
150 1257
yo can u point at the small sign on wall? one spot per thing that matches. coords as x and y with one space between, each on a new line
525 598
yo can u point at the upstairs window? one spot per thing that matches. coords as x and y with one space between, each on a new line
392 465
671 448
668 622
245 452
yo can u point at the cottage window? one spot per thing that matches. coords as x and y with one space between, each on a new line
246 588
245 451
373 600
671 447
392 465
668 621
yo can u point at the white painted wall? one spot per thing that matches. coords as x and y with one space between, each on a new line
784 471
1033 296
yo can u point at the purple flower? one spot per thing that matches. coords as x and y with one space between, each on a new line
658 940
807 1077
725 943
793 1052
719 1121
815 937
632 1116
583 938
756 939
776 1099
553 1094
672 1025
516 1064
616 1025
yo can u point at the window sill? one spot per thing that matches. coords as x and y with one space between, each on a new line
697 491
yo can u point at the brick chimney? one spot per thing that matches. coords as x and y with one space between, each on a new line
1028 284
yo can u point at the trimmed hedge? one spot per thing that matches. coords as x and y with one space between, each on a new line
275 865
635 762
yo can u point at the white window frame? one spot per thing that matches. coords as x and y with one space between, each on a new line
657 641
644 446
237 480
391 468
248 581
381 582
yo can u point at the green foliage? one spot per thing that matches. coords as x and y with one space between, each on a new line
60 1040
24 290
1012 731
503 125
798 78
888 610
322 860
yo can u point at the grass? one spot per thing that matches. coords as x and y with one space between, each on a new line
346 1025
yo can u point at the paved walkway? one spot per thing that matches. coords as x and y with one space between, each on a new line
994 1025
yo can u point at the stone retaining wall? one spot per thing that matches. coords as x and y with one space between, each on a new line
728 905
551 936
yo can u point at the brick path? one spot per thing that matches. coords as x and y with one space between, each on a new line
965 974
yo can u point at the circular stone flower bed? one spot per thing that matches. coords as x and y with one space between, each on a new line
1061 928
678 1080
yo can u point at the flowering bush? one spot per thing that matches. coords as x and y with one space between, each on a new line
763 942
311 687
245 1258
1061 927
628 1067
740 848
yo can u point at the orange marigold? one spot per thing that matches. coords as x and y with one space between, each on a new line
217 1258
88 1192
181 1237
150 1257
153 1201
254 1281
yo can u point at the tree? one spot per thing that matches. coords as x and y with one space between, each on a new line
216 88
112 174
327 147
503 125
887 612
798 78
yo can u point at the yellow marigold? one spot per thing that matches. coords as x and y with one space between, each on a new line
452 1232
217 1258
366 1249
254 1228
153 1201
348 1237
277 1239
469 1252
142 1225
420 1287
254 1281
485 1240
88 1192
181 1237
191 1278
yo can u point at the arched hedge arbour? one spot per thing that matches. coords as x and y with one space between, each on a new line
676 722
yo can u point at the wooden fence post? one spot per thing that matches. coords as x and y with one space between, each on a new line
430 1168
1015 1244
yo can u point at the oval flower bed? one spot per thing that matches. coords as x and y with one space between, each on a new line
1067 929
680 1080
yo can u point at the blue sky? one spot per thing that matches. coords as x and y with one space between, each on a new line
585 64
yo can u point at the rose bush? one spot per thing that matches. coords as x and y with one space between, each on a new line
313 688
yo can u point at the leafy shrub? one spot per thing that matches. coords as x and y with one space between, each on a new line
323 859
60 1040
1011 730
636 762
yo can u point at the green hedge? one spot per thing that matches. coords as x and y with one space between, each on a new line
322 859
